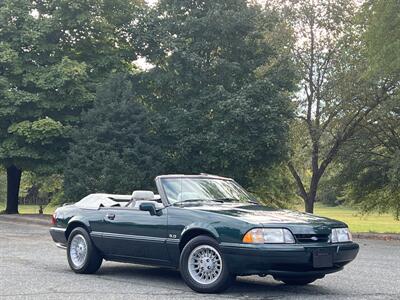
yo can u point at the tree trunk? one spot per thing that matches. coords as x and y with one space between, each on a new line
309 205
312 194
13 183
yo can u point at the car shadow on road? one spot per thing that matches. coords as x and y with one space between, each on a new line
256 285
170 278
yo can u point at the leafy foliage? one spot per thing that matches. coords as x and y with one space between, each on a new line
3 184
217 98
337 95
275 187
115 150
221 82
370 161
383 21
52 56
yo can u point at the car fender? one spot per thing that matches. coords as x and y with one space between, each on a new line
200 226
77 220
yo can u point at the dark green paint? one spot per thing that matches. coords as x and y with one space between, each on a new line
137 236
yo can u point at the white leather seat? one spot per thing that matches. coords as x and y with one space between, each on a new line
140 197
143 195
138 202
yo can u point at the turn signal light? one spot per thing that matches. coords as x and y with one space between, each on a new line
268 236
255 236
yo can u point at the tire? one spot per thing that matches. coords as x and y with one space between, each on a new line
83 257
204 253
298 280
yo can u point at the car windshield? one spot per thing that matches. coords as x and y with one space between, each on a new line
204 189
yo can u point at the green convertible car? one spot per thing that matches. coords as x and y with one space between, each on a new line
206 226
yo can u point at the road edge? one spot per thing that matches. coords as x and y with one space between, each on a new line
45 220
377 236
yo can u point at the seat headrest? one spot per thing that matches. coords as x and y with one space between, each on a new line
143 195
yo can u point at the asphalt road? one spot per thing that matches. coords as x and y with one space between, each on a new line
31 267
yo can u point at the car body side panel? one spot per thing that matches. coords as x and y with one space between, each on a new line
133 233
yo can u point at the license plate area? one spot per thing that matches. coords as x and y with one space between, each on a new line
322 258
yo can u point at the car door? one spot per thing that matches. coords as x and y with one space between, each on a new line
132 233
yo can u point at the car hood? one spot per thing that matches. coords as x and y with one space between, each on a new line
270 217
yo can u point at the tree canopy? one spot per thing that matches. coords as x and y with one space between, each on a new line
370 162
221 82
52 56
115 149
286 98
336 95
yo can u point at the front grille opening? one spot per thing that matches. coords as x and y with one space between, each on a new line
312 238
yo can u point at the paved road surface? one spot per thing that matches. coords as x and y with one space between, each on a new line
31 267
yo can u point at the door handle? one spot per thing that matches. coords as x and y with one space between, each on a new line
110 216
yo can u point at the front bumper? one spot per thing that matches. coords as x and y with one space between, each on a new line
289 260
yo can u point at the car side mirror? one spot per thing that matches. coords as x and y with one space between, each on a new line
151 208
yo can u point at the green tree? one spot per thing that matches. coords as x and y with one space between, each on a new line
52 56
371 163
335 95
275 187
371 160
3 189
383 37
221 81
115 150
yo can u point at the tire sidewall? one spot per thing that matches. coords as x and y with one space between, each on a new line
224 279
89 244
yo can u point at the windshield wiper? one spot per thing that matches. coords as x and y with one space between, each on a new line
190 200
253 202
227 199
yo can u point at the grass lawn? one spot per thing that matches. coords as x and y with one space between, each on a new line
380 223
384 223
31 209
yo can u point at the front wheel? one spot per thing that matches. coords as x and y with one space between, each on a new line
203 267
83 257
298 280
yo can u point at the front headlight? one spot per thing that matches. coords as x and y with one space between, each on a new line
340 235
268 236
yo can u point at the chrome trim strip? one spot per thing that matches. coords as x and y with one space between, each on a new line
58 229
61 246
96 234
128 237
172 241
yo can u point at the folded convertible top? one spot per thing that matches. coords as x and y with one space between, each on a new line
95 201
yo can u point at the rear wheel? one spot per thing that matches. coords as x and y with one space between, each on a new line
203 267
83 257
298 280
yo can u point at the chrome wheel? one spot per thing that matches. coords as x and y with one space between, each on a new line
205 264
78 250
